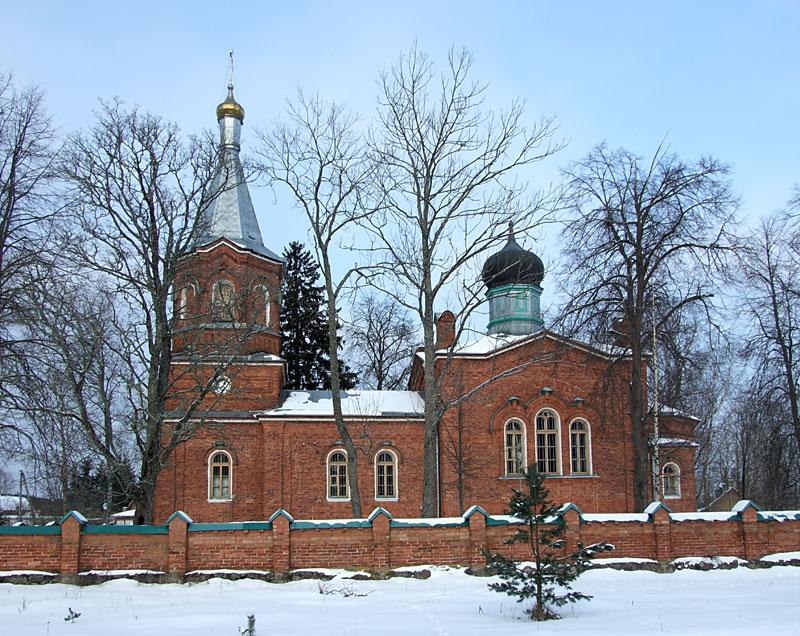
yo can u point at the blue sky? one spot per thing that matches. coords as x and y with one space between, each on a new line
715 77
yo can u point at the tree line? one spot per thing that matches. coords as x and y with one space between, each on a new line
94 223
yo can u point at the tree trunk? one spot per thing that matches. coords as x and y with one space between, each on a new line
341 426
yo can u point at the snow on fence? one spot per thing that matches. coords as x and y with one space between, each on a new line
380 541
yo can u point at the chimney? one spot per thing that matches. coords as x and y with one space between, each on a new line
445 329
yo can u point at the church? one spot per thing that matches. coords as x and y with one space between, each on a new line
519 394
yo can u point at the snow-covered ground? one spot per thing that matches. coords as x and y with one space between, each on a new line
730 602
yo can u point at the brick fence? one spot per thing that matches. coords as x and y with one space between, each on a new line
382 542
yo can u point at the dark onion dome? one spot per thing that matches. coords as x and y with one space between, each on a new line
512 265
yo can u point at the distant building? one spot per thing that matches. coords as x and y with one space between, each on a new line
262 448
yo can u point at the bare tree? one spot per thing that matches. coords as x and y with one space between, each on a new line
381 338
446 170
27 151
135 191
769 269
642 245
320 157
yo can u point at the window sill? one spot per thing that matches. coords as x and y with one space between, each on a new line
230 499
338 499
386 498
672 496
548 476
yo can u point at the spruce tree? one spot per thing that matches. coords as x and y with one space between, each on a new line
549 579
304 330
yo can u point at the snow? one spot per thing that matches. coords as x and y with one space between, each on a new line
429 521
621 560
488 344
703 516
11 503
354 404
675 441
668 410
781 556
641 517
221 571
779 515
734 602
26 573
118 572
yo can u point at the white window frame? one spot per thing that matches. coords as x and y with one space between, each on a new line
328 475
211 457
557 418
676 476
588 432
523 447
395 476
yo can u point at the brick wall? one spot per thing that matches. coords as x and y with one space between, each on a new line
381 542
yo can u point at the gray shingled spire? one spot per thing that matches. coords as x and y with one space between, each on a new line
231 214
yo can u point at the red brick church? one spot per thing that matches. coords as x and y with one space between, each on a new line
261 448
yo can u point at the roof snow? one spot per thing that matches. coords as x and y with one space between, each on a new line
675 441
354 404
668 410
490 343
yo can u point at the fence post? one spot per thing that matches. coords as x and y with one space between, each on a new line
571 515
281 540
476 519
71 524
660 517
381 538
178 542
754 546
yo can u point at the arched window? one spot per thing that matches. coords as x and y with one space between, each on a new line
261 309
222 301
185 296
671 481
385 475
515 448
338 488
580 448
547 442
220 484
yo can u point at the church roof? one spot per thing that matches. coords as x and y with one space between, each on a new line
355 403
231 214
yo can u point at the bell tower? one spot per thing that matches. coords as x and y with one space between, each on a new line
227 290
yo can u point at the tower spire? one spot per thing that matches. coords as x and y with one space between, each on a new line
230 212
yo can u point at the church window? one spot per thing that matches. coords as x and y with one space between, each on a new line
338 488
184 298
219 477
514 447
222 301
580 449
547 446
671 481
261 305
385 475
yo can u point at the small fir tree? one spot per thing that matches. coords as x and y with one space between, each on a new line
549 579
304 329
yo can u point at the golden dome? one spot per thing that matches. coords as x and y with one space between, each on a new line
230 107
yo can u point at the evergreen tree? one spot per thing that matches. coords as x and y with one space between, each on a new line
304 330
550 578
